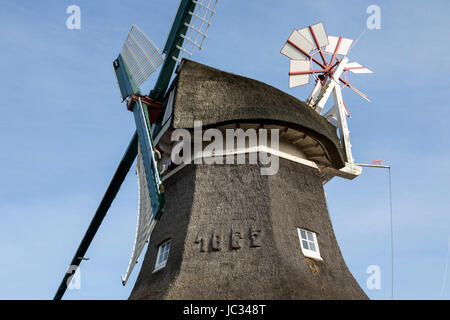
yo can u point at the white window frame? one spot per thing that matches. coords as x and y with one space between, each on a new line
163 250
307 252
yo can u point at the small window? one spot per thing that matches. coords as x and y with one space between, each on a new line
308 242
163 254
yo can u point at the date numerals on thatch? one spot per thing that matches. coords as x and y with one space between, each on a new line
236 239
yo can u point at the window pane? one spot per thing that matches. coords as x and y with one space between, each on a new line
163 253
305 244
158 261
309 244
303 233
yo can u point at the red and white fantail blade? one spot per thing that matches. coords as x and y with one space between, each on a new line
319 33
343 48
299 72
297 47
355 67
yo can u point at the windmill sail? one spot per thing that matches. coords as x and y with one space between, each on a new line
141 55
138 59
338 45
146 221
315 34
197 28
197 20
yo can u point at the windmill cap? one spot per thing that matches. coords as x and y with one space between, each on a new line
215 97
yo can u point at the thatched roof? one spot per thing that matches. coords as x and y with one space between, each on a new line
216 97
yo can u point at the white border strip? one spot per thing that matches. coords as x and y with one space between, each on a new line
256 149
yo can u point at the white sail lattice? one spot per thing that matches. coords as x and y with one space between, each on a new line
141 55
146 222
197 29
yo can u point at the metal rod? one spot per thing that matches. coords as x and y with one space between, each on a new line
307 54
317 44
353 68
335 51
392 236
354 89
305 72
391 220
444 280
330 66
372 165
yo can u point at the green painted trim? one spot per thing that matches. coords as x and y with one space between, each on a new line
170 49
126 83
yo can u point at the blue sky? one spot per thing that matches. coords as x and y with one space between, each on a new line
63 132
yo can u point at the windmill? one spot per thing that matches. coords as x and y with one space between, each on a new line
308 49
138 59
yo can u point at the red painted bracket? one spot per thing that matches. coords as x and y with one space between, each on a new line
154 107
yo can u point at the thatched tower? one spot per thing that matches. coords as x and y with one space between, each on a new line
234 233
